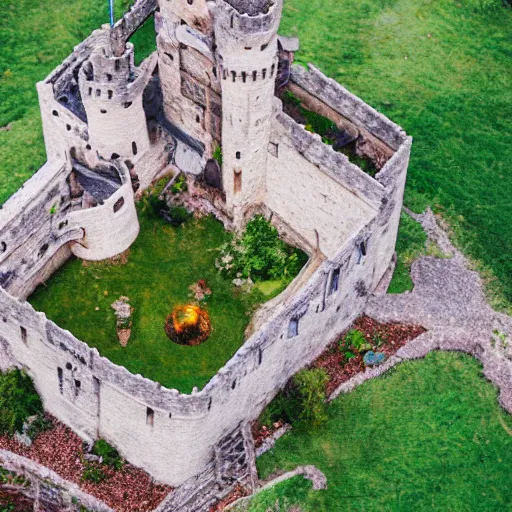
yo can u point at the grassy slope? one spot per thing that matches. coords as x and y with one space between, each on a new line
162 264
429 435
451 91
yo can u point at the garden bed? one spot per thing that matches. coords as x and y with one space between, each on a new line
384 338
62 451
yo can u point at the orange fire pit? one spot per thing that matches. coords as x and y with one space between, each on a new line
188 325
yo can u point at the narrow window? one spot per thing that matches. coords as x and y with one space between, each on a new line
43 250
254 76
272 69
63 224
232 20
238 180
335 281
264 47
68 127
233 384
110 94
244 77
150 416
198 119
119 204
190 2
238 155
362 249
214 71
210 404
264 73
78 385
248 47
128 104
55 113
23 334
233 75
170 415
293 328
69 366
103 111
88 146
114 156
109 77
60 375
134 148
98 92
3 247
117 65
260 356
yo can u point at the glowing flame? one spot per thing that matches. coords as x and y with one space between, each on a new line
188 325
184 317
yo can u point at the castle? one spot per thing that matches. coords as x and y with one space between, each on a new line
110 130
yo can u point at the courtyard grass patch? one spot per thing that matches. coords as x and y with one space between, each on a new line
161 265
428 435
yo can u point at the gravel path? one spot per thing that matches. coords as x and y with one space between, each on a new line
449 301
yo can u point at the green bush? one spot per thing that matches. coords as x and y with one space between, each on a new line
180 185
354 341
260 254
18 401
109 454
485 5
302 402
93 473
217 155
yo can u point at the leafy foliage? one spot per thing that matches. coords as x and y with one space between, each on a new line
303 401
217 155
93 473
354 342
18 401
108 453
259 254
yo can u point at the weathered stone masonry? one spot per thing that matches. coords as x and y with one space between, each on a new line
211 83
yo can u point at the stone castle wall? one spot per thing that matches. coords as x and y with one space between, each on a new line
347 220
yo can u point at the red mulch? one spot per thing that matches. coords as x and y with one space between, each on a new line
16 500
262 432
129 489
394 336
238 492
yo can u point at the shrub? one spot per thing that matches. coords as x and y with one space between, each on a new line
260 254
217 155
93 473
177 215
310 388
18 401
180 185
354 340
303 401
38 425
108 453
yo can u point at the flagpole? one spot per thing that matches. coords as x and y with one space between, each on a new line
111 4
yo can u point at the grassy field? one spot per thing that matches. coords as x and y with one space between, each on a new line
429 435
162 264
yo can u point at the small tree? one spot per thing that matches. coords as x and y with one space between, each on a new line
18 401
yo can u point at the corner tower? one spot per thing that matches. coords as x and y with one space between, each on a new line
111 88
246 37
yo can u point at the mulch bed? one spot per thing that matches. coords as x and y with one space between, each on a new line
394 336
238 492
17 500
129 489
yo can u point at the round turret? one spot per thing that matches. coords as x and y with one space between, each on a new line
111 91
246 37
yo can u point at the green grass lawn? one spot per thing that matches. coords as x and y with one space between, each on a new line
441 69
162 264
428 435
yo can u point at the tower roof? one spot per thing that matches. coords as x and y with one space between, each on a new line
251 7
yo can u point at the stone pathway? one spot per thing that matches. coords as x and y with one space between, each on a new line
449 301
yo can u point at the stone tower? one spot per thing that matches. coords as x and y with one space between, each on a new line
246 37
111 88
